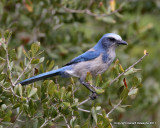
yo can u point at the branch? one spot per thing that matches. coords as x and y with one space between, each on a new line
88 12
88 99
83 110
23 71
44 124
66 121
128 69
47 120
114 108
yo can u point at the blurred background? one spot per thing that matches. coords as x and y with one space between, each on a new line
65 29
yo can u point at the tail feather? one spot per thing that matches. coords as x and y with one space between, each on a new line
40 77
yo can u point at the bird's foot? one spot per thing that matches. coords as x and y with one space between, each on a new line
93 96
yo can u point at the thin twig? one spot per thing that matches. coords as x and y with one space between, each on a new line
23 71
47 120
88 12
14 93
114 108
86 100
83 110
66 121
56 117
128 69
44 124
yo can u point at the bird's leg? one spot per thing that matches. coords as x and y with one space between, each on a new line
94 94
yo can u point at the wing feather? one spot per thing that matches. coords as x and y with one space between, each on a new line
89 55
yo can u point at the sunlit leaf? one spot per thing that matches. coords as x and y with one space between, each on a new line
35 48
121 68
99 91
32 92
131 71
133 91
20 89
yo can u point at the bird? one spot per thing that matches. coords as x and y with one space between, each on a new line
94 61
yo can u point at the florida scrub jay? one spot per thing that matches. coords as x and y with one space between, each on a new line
96 61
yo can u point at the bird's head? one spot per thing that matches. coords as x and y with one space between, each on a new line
112 40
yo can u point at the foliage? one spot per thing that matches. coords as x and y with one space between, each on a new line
61 29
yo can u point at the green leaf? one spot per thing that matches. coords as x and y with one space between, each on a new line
25 53
121 68
2 59
7 116
16 89
51 88
135 82
50 65
2 76
16 106
28 88
86 125
73 121
124 93
99 80
12 54
35 48
53 112
7 34
32 92
62 91
133 91
99 91
103 121
103 113
66 104
131 71
20 89
35 61
94 114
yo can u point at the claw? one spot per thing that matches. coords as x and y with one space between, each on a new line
93 96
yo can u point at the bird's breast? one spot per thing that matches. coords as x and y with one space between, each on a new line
95 66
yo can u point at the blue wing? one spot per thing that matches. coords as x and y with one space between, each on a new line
89 55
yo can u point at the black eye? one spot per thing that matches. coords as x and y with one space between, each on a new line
112 39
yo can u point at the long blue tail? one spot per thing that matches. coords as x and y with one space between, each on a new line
43 76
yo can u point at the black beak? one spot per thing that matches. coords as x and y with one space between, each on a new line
122 42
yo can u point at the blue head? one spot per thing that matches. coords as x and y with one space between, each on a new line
110 40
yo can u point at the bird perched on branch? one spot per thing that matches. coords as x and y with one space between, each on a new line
96 61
